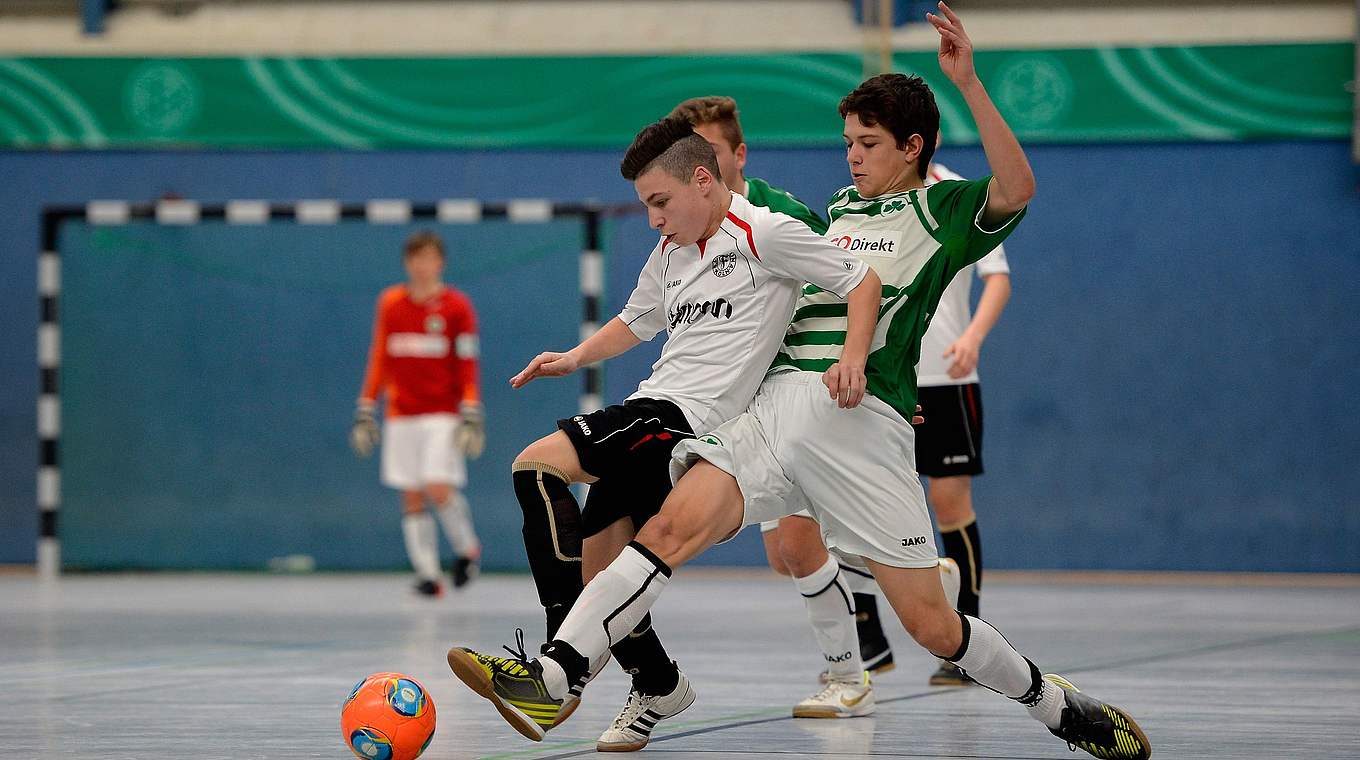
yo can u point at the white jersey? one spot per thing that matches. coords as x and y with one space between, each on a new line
954 313
726 303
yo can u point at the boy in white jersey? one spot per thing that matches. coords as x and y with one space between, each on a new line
721 282
845 459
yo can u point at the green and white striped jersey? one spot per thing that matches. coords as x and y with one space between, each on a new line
916 241
761 193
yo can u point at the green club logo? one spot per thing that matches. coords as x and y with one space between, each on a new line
1035 90
162 98
893 206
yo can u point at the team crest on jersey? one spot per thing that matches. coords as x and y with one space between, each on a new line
893 206
434 323
724 263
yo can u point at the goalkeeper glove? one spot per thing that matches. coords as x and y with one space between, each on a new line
363 434
470 436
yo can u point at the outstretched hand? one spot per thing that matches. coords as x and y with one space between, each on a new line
956 50
546 364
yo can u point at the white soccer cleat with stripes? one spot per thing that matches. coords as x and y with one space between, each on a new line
632 729
839 699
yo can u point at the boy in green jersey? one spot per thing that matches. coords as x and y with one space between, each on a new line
715 119
841 455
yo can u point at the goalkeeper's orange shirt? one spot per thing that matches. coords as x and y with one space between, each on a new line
424 355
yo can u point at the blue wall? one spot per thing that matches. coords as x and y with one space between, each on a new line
1166 390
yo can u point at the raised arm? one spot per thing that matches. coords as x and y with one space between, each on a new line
1012 183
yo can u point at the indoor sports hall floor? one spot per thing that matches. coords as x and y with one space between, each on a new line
255 666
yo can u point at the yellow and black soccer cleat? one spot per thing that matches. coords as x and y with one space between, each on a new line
513 684
1101 730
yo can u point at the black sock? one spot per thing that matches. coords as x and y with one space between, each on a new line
641 654
964 547
552 538
573 663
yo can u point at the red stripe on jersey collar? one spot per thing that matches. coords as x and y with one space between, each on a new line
750 239
701 244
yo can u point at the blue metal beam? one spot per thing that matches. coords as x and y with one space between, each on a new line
92 13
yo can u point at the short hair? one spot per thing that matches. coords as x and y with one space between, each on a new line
904 105
672 145
713 109
422 239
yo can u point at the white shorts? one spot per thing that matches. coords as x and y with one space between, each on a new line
769 525
418 451
852 469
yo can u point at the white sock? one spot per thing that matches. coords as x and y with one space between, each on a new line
951 580
456 518
831 610
991 661
856 573
611 605
422 545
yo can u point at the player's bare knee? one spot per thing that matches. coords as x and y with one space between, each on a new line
772 554
800 546
665 536
557 452
803 558
931 623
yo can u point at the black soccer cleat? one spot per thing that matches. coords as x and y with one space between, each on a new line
873 643
948 674
428 588
1101 730
464 571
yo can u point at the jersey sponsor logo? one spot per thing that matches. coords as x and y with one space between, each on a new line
418 345
694 311
434 323
871 243
957 459
914 541
724 263
581 423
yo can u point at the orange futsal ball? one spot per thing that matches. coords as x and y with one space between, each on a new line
388 716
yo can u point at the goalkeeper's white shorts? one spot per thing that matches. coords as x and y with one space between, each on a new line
419 450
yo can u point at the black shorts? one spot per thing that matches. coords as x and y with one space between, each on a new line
949 442
628 447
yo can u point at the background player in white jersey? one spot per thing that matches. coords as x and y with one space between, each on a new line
424 359
721 282
841 456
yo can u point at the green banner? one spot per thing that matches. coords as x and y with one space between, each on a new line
1104 94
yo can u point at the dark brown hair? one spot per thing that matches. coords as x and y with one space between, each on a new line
904 105
672 145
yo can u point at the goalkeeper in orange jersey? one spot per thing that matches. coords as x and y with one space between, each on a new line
424 358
